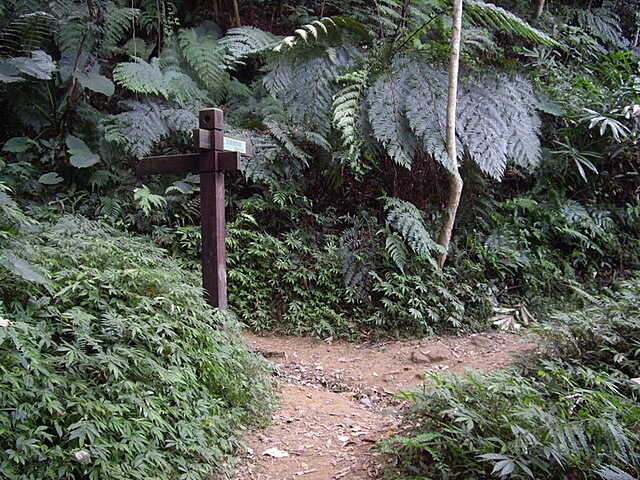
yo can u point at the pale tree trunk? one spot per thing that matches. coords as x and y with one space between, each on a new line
539 9
455 180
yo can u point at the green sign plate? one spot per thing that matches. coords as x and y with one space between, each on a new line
232 144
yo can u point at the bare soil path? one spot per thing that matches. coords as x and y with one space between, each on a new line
338 399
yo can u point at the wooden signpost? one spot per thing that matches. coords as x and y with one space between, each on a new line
218 154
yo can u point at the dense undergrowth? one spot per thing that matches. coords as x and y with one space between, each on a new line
568 411
109 353
111 364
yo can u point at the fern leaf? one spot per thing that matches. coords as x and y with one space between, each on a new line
141 77
325 28
138 129
76 29
179 119
244 41
515 100
207 59
286 141
498 19
309 96
118 21
181 88
482 128
406 219
395 247
347 106
279 76
426 108
604 24
27 33
386 98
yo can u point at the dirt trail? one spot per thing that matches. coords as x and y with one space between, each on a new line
338 399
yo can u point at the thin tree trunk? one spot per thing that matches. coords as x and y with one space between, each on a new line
455 180
236 14
539 9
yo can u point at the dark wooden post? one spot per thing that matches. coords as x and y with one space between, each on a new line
211 163
214 257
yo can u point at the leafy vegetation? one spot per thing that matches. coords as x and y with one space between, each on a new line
332 222
574 417
112 365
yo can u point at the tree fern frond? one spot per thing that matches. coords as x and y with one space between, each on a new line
75 31
481 127
244 41
324 28
498 19
260 166
181 88
279 76
604 24
27 32
179 119
138 129
497 121
141 77
309 97
395 247
426 105
347 107
516 101
118 21
206 57
286 141
477 40
386 98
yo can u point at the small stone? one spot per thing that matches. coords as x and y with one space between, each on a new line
435 354
82 456
480 341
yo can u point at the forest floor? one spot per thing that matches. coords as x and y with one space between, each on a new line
338 399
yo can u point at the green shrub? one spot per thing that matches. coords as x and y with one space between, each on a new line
115 367
564 422
603 335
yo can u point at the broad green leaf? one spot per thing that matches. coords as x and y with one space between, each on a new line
96 82
19 267
51 178
39 65
9 73
18 144
81 156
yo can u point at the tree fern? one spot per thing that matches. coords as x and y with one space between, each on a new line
286 140
244 41
347 108
498 19
142 77
323 29
76 34
137 129
426 105
207 58
604 24
310 95
386 99
481 127
118 21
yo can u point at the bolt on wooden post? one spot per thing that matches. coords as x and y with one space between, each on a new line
218 154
